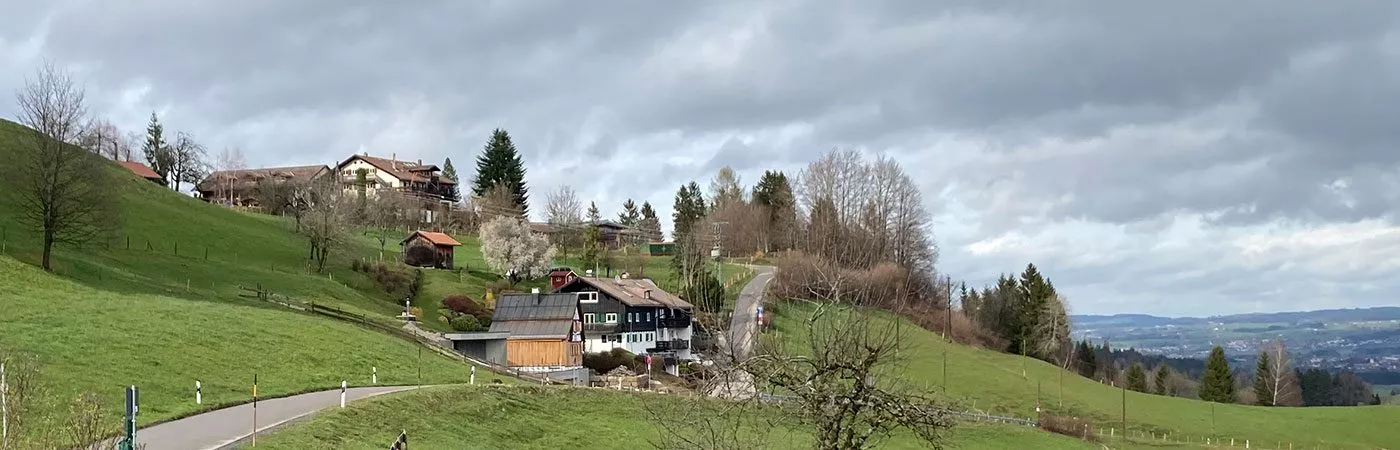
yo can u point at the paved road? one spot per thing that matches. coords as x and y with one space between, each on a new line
220 428
743 328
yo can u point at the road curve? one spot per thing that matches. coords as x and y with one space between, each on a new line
224 427
743 327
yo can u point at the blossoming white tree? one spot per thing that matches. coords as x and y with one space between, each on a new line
511 249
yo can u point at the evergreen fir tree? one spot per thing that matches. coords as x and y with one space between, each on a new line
1163 374
454 191
1218 385
689 208
158 153
629 215
593 216
500 162
650 225
1263 375
1137 378
1035 291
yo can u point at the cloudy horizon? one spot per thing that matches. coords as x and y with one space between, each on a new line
1181 159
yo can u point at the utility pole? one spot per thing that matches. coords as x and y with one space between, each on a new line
948 330
4 410
1125 409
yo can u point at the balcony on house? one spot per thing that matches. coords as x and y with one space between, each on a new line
673 344
677 321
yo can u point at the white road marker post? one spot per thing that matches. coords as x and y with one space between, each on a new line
373 375
342 393
198 395
473 377
4 409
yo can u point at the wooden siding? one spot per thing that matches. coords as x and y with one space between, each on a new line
543 353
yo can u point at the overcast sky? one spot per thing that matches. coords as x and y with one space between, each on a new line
1183 158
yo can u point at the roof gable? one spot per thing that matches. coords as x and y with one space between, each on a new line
140 170
433 237
634 292
403 170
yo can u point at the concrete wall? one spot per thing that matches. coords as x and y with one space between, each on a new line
490 350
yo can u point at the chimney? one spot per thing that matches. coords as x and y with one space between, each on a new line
536 293
646 294
394 160
420 162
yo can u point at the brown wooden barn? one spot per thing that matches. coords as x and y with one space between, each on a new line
546 330
429 249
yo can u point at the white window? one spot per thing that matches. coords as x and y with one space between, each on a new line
589 318
648 319
588 297
631 317
610 317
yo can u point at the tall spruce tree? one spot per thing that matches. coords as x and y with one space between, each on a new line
454 192
774 194
500 162
593 215
1137 378
159 155
689 208
1161 379
1263 375
650 225
1035 291
1218 384
629 215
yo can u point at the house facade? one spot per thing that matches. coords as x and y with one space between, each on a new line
632 314
412 178
240 187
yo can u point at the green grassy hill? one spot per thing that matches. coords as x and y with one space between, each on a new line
533 417
90 340
1012 385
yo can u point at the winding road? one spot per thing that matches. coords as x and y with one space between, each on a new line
743 328
224 428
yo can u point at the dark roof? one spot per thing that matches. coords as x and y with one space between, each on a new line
403 170
531 315
434 237
140 170
248 178
633 292
476 336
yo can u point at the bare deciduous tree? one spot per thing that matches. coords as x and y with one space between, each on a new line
499 201
725 189
512 250
327 219
189 165
229 159
105 139
1283 380
387 213
564 213
22 399
60 189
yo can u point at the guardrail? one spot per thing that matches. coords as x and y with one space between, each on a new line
401 443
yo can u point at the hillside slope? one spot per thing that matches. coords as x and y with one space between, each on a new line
89 340
533 417
1010 384
174 245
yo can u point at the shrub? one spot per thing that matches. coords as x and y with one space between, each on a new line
393 282
607 361
356 265
484 319
1068 426
466 323
464 305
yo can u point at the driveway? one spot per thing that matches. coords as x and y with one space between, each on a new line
225 427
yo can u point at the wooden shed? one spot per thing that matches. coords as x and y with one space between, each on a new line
546 330
429 249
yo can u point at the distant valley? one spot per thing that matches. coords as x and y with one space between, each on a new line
1366 340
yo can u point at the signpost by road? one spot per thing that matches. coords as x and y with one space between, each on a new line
128 441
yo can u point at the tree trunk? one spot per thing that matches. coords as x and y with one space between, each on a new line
48 249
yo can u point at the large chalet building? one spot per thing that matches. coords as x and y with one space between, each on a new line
415 179
632 314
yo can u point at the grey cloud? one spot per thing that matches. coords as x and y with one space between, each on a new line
1035 114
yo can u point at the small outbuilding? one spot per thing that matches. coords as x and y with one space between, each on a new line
429 249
